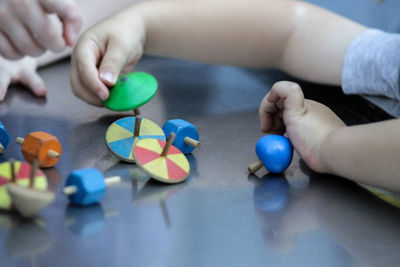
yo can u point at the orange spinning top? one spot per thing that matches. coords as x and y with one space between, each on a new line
42 146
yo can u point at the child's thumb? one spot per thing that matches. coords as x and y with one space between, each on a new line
113 61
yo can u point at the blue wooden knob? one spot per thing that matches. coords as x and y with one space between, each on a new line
90 186
4 138
275 152
182 129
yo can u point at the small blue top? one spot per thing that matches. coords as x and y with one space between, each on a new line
275 152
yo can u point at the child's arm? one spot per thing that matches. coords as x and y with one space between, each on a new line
367 153
299 38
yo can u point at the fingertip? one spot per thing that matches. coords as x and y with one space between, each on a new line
102 94
3 92
71 32
40 91
4 83
108 78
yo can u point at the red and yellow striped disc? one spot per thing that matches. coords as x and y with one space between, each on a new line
173 168
22 173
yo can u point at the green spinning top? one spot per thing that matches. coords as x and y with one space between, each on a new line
131 91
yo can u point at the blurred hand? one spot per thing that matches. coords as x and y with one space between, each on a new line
113 46
30 27
307 123
20 71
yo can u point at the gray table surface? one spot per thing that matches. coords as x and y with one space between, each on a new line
221 216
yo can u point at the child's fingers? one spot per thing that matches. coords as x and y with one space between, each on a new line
82 92
31 79
84 70
46 30
21 38
7 50
266 112
67 11
287 95
113 61
5 81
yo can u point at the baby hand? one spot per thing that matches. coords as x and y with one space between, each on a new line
307 123
113 46
28 27
20 71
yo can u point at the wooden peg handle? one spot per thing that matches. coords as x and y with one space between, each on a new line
113 180
12 169
20 140
1 148
255 166
170 140
32 175
191 142
70 190
136 112
53 154
138 120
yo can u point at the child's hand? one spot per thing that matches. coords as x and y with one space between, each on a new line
103 52
28 28
307 123
20 71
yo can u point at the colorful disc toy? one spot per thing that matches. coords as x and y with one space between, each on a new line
22 175
171 168
124 133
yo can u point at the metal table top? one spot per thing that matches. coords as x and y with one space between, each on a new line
221 216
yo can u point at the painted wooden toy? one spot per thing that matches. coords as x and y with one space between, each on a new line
26 199
131 91
187 137
124 133
4 138
42 146
21 176
275 153
88 186
161 160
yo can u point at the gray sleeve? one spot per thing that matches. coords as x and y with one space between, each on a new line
372 64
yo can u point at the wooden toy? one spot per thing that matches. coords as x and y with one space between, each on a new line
131 91
187 137
21 175
87 186
124 133
275 153
42 146
28 200
161 160
136 112
4 138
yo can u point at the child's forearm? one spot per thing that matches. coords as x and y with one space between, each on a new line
368 153
299 38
